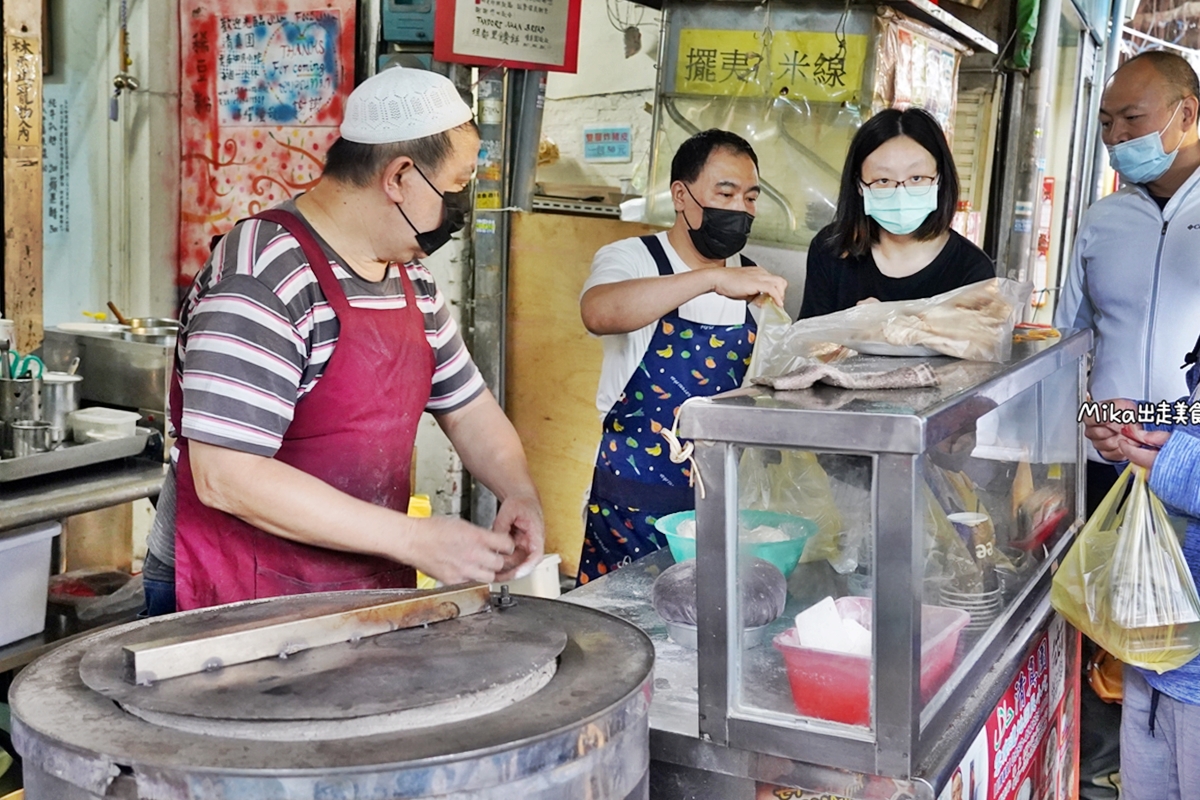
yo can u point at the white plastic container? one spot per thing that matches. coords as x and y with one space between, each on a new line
100 424
25 553
542 582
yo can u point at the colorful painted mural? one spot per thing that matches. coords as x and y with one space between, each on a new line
262 91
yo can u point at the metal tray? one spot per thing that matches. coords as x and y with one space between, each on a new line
70 455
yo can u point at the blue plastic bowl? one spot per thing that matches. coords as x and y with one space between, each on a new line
784 555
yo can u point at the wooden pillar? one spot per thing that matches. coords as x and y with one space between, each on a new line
22 169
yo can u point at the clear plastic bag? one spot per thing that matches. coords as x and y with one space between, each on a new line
973 322
1125 582
773 324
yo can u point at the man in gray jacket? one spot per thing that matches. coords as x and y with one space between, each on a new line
1134 280
1134 276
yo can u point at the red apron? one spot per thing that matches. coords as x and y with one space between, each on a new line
355 430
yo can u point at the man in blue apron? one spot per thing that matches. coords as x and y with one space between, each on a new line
673 316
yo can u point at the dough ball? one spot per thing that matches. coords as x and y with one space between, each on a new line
763 590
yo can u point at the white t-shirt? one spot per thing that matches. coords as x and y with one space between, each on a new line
629 259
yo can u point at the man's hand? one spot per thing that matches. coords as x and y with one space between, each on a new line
867 301
1106 436
747 283
520 518
1116 442
454 551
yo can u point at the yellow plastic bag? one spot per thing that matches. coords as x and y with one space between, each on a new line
1125 583
797 485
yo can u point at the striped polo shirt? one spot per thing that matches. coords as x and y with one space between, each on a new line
257 333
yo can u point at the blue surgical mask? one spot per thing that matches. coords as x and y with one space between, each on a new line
902 213
1143 159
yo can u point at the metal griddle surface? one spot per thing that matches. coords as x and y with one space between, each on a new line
392 672
606 665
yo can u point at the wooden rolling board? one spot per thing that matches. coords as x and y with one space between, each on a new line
553 364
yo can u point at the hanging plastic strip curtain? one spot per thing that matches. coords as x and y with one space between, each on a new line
796 81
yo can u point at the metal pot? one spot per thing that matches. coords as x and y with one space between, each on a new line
19 400
151 335
60 396
30 436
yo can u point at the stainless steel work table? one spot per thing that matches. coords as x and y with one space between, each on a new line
64 494
60 495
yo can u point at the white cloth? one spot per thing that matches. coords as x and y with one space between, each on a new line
1134 280
627 260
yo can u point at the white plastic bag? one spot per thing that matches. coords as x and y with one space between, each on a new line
973 322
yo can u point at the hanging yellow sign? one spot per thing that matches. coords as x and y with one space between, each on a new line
715 62
818 66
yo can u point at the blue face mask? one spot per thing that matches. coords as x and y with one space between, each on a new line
1143 159
902 213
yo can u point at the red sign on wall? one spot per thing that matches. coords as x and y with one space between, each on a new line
263 87
522 34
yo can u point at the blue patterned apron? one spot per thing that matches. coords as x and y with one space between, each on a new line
635 482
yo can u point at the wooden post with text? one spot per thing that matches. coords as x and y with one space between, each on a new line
22 170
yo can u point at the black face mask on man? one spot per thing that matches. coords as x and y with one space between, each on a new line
455 208
722 232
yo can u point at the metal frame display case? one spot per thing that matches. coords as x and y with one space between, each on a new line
1042 387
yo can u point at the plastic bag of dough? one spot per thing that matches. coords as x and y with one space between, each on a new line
773 323
796 485
973 322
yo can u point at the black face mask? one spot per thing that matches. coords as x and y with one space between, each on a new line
455 208
722 232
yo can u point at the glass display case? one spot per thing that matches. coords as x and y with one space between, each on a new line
932 520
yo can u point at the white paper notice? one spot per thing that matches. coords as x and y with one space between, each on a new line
56 165
533 31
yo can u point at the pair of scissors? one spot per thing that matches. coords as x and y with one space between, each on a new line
19 365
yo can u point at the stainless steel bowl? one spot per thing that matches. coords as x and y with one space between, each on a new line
151 335
684 634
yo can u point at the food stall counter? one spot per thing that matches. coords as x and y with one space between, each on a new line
930 520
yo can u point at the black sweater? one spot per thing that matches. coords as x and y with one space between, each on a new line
836 283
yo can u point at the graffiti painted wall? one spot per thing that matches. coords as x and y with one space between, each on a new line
262 91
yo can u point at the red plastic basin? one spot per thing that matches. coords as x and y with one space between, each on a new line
837 687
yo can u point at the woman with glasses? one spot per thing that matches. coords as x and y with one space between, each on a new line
891 236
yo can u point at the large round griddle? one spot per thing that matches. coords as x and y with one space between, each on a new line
70 731
398 671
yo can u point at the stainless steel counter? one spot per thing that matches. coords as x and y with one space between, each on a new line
63 494
686 764
59 495
626 594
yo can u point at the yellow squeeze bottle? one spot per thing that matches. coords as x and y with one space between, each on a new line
419 506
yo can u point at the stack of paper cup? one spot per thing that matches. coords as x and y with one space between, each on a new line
984 607
977 534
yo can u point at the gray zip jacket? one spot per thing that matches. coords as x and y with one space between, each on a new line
1134 280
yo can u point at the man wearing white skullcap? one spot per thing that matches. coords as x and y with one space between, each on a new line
311 344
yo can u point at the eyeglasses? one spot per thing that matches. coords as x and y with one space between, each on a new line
916 186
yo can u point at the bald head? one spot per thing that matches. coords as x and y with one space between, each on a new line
1155 92
1174 70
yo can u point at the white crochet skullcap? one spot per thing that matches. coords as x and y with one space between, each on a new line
401 104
